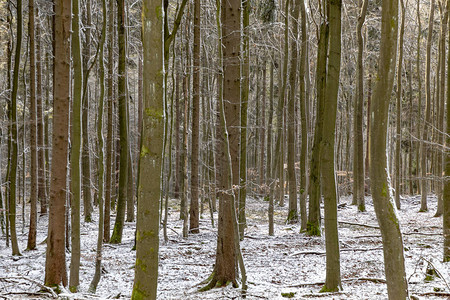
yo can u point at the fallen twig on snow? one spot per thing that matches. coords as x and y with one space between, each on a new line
359 224
324 294
437 271
341 250
46 288
438 294
375 280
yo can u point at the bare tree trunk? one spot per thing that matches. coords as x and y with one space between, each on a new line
55 265
382 197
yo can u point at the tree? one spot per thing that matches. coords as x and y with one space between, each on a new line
55 265
33 134
291 153
13 135
147 227
116 237
193 210
381 191
75 150
358 150
446 196
333 274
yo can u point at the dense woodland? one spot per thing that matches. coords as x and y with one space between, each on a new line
149 114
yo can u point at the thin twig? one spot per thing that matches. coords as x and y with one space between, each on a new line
46 288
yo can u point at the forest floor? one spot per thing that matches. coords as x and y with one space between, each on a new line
287 264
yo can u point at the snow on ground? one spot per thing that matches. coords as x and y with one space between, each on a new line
289 262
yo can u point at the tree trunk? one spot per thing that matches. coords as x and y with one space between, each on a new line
116 237
424 147
313 226
398 138
147 227
31 244
14 135
55 265
333 273
291 149
358 147
193 210
381 192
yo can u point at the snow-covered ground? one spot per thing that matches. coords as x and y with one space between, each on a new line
289 262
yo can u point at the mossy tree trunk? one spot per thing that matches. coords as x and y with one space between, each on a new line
147 234
333 273
381 191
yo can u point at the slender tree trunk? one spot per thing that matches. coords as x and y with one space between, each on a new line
75 155
31 244
245 74
426 126
269 159
304 121
85 158
419 88
358 147
398 138
101 176
193 210
291 149
313 226
109 141
382 197
14 135
446 195
55 265
116 237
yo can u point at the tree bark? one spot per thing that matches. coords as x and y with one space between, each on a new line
55 265
381 191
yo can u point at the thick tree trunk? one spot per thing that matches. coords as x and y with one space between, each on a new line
147 227
381 191
55 265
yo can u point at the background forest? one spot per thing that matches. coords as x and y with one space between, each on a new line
265 139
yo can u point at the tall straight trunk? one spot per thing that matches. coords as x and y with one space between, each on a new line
262 130
116 237
369 100
75 150
426 126
411 128
291 149
193 210
313 226
269 159
398 138
333 272
227 252
358 147
441 128
177 133
304 121
147 227
47 151
101 175
109 140
245 73
14 135
446 194
42 191
31 244
419 96
382 197
85 158
55 265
